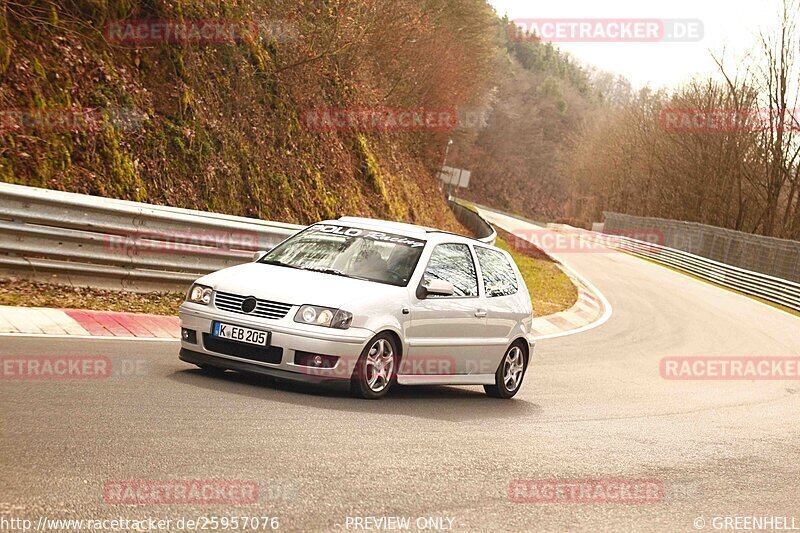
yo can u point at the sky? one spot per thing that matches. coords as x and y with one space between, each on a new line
731 26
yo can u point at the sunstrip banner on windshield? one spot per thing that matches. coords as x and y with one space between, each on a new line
368 234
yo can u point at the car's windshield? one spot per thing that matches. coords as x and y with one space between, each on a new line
351 252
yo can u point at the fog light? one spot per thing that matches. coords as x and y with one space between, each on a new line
314 360
189 335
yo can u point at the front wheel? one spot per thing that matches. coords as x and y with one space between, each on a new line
509 375
376 369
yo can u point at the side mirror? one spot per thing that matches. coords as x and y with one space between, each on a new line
436 287
259 255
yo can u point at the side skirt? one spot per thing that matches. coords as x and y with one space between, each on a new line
445 379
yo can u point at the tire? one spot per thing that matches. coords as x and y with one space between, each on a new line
380 352
510 373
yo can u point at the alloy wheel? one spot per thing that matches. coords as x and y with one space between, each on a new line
379 365
513 368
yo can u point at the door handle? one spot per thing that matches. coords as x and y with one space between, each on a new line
480 313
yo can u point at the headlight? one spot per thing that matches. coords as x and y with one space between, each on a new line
323 316
200 294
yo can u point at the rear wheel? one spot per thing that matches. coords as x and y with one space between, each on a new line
376 369
509 375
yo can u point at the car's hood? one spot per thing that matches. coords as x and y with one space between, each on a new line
296 287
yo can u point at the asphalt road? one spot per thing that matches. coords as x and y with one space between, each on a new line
593 406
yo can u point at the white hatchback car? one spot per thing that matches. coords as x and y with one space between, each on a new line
370 303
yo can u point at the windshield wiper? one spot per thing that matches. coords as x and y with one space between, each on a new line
276 263
334 272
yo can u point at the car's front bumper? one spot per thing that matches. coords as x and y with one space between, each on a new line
279 359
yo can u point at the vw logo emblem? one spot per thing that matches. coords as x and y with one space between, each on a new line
249 304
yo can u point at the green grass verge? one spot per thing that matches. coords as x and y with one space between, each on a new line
551 290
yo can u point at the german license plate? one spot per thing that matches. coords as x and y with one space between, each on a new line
240 334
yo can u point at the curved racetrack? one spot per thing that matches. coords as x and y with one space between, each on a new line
593 406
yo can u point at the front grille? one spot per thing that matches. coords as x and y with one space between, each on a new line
264 308
270 354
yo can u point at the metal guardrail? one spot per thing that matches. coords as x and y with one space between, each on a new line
100 241
483 231
781 291
77 236
775 257
506 213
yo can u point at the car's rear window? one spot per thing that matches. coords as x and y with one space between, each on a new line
499 278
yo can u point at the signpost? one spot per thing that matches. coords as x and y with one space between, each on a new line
455 177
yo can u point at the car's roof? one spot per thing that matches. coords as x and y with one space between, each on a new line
387 225
401 228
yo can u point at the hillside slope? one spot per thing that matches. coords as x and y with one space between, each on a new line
542 97
219 125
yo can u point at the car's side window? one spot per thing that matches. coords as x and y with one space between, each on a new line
453 263
499 278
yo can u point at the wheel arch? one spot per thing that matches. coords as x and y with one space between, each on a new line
396 338
522 342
